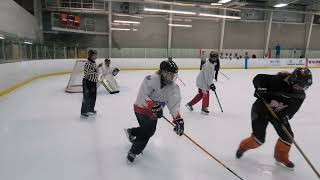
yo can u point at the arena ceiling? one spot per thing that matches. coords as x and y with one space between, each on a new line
296 5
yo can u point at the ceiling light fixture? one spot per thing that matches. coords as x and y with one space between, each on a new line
219 16
27 42
280 5
179 25
120 29
130 22
169 11
216 4
224 1
178 19
126 15
2 37
120 24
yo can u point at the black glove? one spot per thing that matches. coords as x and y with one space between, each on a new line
261 93
100 65
179 126
157 110
213 87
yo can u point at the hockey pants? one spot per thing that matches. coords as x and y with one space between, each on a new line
260 119
142 133
202 94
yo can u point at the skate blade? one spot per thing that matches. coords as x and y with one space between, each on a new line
129 162
127 134
188 107
92 114
84 117
284 166
204 113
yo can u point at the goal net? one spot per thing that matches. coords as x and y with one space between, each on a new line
75 81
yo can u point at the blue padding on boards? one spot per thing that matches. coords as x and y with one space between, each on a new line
245 63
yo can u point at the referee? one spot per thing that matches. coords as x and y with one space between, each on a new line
89 84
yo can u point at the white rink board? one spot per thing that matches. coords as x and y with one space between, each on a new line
21 71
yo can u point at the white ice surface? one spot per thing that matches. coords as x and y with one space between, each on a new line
43 138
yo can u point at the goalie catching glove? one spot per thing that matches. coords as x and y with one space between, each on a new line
179 126
115 71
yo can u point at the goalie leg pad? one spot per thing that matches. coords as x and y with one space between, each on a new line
110 84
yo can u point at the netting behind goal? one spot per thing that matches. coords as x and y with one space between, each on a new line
75 81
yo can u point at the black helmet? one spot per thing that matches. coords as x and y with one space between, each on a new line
302 77
169 66
213 55
91 53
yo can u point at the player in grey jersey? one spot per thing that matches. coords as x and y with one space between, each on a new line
156 91
204 84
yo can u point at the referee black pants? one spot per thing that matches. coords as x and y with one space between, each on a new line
89 96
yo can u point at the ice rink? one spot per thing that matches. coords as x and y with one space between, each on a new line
43 138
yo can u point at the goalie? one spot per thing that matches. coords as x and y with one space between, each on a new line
106 77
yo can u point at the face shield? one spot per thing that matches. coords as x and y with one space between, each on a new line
94 57
301 79
169 77
301 86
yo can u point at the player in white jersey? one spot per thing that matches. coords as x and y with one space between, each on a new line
155 92
204 84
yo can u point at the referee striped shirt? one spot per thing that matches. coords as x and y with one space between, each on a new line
91 71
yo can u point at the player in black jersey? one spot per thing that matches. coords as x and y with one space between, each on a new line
285 93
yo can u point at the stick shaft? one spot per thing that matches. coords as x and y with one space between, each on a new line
224 74
218 100
291 138
204 150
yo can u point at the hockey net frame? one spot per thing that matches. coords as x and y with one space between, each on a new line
75 80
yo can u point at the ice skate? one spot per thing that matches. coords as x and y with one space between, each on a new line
189 107
204 111
129 135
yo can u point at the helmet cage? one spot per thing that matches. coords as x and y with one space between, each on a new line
169 77
301 77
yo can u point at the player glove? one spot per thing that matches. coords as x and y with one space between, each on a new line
157 110
213 87
261 93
